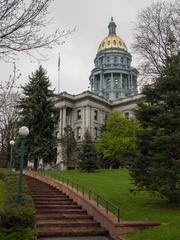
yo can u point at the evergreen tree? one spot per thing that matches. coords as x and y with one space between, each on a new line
88 154
38 113
69 148
156 166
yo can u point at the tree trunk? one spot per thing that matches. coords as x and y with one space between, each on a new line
36 164
174 195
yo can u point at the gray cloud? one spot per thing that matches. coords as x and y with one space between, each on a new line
77 54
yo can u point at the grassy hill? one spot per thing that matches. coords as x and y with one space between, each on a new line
1 193
114 185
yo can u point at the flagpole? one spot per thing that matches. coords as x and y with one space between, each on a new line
59 74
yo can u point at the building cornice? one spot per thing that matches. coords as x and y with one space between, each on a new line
87 95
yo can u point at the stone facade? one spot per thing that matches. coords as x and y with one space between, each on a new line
113 87
87 111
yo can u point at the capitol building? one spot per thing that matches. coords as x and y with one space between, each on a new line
113 83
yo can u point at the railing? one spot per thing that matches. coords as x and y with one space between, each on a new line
100 201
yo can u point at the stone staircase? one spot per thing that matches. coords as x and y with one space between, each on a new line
57 215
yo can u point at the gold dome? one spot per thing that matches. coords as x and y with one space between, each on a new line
112 41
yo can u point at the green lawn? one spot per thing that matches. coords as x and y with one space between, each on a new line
16 223
114 185
1 193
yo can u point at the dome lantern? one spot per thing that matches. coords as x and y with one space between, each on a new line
112 40
112 27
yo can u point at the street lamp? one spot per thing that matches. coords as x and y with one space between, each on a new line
12 142
23 132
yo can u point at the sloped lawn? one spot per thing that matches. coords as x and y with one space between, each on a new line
16 222
1 193
114 185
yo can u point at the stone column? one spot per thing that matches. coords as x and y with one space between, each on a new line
101 84
120 84
128 80
88 118
60 122
64 119
111 96
92 84
132 82
112 82
83 121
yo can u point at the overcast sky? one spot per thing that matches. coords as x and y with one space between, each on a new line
77 54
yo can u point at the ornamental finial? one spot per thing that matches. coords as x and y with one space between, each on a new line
112 27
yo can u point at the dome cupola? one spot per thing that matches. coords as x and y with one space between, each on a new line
112 40
113 77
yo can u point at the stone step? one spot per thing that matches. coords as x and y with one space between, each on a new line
67 223
53 216
35 189
46 192
67 202
66 231
49 196
57 215
58 206
68 211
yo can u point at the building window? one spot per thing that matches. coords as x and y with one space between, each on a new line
108 59
117 95
96 132
97 83
115 59
123 83
78 114
78 132
107 95
57 134
100 62
116 83
95 114
108 83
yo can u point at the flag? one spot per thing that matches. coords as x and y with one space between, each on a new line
59 62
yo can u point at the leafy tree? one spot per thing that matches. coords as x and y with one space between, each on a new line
156 166
38 113
157 34
69 148
88 154
118 138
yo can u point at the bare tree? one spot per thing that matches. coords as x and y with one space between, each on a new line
22 27
9 113
6 87
157 37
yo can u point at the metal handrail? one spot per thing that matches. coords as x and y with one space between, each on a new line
109 206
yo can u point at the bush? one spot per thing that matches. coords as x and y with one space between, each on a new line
12 216
18 233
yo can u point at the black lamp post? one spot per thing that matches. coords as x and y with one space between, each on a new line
12 142
23 132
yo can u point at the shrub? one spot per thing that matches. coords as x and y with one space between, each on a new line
18 233
12 216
